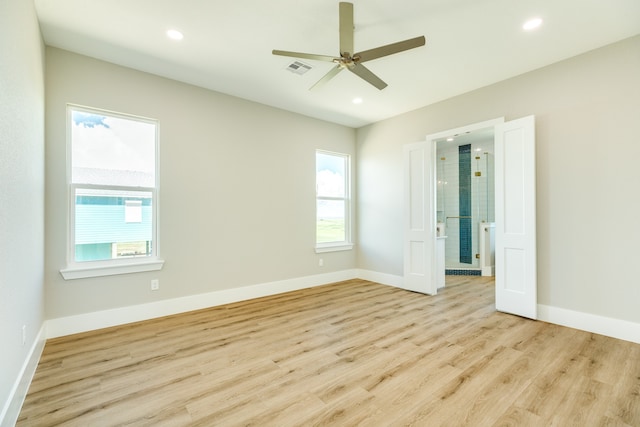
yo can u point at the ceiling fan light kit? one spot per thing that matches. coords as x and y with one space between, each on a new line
348 59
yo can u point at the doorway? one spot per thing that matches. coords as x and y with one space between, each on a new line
515 215
465 202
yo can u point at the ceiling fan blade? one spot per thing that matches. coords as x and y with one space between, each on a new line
390 49
331 74
325 58
363 72
346 29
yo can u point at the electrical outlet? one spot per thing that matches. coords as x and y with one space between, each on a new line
24 334
320 262
155 284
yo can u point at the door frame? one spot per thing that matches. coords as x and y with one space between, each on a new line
420 207
433 139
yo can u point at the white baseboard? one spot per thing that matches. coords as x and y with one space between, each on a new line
615 328
12 406
382 278
488 270
122 315
621 329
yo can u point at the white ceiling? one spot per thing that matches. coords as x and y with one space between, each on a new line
227 45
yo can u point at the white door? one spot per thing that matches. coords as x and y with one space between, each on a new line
515 180
419 223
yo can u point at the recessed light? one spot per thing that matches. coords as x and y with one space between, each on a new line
357 100
449 139
175 35
532 24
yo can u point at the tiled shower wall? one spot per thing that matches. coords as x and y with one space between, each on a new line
465 243
449 196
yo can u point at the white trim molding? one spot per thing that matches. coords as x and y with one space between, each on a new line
382 278
333 248
138 266
122 315
615 328
13 405
621 329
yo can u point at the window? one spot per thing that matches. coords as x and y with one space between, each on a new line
113 193
333 225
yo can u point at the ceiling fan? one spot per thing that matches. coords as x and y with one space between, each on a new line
350 60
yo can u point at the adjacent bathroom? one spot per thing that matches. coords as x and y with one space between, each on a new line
466 202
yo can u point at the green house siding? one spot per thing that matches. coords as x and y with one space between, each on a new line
106 224
101 226
93 252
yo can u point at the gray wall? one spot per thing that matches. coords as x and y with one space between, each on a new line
21 187
237 182
237 187
587 112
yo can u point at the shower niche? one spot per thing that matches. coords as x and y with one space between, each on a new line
465 200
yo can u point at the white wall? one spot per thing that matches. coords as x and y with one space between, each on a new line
587 110
237 187
21 195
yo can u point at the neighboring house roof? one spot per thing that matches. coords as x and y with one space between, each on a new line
113 177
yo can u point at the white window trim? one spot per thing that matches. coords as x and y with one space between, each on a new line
347 244
117 267
81 270
332 247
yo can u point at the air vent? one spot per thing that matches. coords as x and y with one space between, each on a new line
298 67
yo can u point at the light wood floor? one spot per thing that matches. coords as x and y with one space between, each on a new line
351 353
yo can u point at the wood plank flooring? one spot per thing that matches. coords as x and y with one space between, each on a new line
350 353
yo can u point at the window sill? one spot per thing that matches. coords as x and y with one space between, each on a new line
334 248
82 272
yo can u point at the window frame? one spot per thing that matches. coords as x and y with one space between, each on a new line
83 269
346 244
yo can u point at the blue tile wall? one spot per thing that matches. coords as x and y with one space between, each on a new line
464 198
462 272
